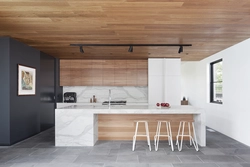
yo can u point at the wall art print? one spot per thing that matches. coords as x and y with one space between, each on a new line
26 80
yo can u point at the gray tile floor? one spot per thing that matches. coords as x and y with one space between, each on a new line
39 151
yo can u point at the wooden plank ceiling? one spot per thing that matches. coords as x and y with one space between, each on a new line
52 25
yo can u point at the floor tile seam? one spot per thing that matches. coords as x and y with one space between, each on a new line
217 165
200 159
240 158
179 159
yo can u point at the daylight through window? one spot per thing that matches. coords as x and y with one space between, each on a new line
216 84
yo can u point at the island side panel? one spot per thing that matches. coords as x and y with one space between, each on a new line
74 128
122 126
200 128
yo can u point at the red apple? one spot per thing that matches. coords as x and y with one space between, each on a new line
158 104
162 104
166 104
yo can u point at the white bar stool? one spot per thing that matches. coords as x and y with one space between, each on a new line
158 134
192 139
146 135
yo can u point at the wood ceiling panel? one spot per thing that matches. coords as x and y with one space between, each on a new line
51 26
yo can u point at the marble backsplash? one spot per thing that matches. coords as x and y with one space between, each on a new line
131 94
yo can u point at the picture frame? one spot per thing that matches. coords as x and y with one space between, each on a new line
26 80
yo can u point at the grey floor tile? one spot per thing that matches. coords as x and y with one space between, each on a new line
128 151
108 144
160 165
227 145
7 157
195 165
96 158
24 164
246 158
26 145
235 151
160 151
5 165
99 151
219 158
58 165
228 151
139 145
221 151
158 159
189 159
241 151
19 151
125 165
212 145
184 151
245 164
128 158
229 165
45 145
32 159
44 151
64 159
77 151
93 165
211 151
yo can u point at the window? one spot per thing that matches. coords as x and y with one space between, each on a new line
216 74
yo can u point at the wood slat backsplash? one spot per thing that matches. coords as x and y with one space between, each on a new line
103 72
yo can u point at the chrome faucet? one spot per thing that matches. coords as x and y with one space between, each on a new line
109 97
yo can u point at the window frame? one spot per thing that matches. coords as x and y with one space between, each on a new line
212 82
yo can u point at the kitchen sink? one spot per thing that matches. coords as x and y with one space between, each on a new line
120 102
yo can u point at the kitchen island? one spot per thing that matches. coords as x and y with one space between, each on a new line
78 125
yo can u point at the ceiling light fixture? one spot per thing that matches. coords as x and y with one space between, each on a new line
180 49
132 45
81 49
130 49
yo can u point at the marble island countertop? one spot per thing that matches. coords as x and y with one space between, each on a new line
143 109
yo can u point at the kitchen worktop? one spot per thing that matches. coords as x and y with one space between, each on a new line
132 108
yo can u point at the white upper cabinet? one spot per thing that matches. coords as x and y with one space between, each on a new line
172 66
155 67
164 81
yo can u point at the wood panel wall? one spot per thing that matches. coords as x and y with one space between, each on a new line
103 72
122 126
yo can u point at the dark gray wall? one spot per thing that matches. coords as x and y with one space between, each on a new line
58 88
25 116
47 91
24 110
4 89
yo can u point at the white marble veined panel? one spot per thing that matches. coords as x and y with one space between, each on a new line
131 94
74 128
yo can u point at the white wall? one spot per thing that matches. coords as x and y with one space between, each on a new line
232 117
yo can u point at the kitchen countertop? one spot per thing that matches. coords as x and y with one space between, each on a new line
144 109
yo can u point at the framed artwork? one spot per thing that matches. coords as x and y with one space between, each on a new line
26 80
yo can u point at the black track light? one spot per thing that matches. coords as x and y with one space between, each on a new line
180 49
81 49
132 45
130 49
